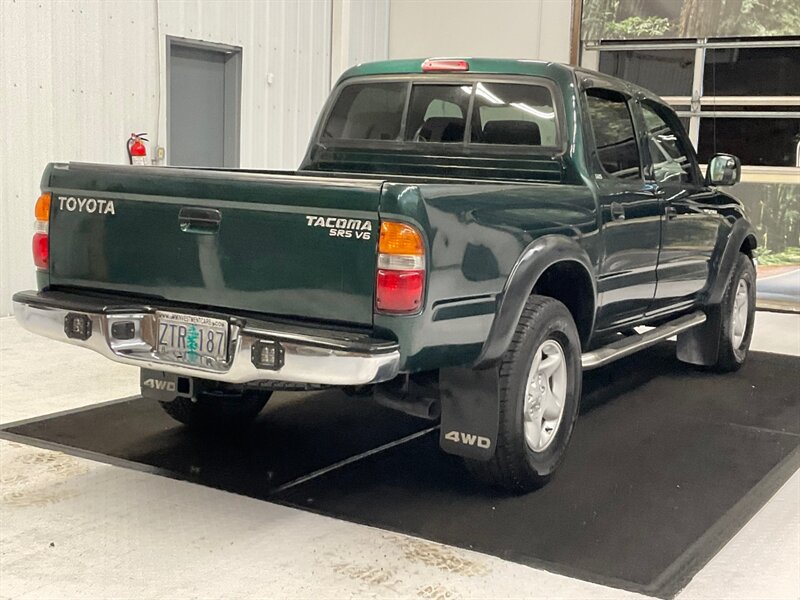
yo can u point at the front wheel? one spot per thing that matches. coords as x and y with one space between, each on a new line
540 390
217 409
736 316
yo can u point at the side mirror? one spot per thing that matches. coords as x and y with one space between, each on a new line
724 169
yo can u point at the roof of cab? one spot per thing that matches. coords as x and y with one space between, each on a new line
503 66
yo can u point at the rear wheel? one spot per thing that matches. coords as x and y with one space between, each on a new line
217 409
540 387
737 315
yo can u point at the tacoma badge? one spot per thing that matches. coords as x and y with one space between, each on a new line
341 227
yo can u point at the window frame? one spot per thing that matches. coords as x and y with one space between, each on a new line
466 148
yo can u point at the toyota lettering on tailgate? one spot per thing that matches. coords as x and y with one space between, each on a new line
87 205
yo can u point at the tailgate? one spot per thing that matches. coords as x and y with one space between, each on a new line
277 243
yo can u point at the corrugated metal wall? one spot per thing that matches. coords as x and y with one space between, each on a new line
76 78
71 90
285 67
370 26
363 28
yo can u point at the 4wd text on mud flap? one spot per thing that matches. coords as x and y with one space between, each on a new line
470 439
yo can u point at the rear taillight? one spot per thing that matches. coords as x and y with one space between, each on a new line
41 239
41 250
400 280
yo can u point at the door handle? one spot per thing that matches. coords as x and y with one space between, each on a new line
199 220
617 211
670 212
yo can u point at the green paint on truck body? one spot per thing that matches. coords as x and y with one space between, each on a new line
264 258
479 211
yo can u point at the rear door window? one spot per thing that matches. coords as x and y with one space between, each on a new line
438 113
513 114
367 111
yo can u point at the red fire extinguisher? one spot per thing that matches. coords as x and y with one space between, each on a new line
137 152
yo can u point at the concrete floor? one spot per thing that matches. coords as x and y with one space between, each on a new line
71 527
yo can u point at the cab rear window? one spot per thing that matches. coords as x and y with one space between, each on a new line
367 112
472 113
438 113
516 114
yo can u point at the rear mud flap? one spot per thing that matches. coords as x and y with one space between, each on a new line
470 411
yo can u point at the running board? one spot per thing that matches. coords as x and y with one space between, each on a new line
633 343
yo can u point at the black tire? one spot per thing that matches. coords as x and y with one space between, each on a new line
217 410
732 355
515 466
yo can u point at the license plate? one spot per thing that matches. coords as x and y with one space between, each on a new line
191 339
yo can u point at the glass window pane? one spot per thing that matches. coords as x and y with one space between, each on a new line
367 111
437 113
664 72
518 114
667 147
752 72
613 132
767 142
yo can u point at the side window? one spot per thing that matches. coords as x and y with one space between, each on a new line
668 148
614 135
437 113
513 113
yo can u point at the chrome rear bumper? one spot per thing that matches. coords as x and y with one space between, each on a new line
310 355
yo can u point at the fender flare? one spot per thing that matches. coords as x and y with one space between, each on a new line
722 266
537 257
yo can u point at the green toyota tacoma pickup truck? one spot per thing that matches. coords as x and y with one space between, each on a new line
463 239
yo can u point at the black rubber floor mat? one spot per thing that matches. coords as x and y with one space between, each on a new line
666 464
297 434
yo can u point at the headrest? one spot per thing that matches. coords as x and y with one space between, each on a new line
512 132
443 129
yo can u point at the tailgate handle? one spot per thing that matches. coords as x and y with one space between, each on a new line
199 220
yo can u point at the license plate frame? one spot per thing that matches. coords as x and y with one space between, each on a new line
192 340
